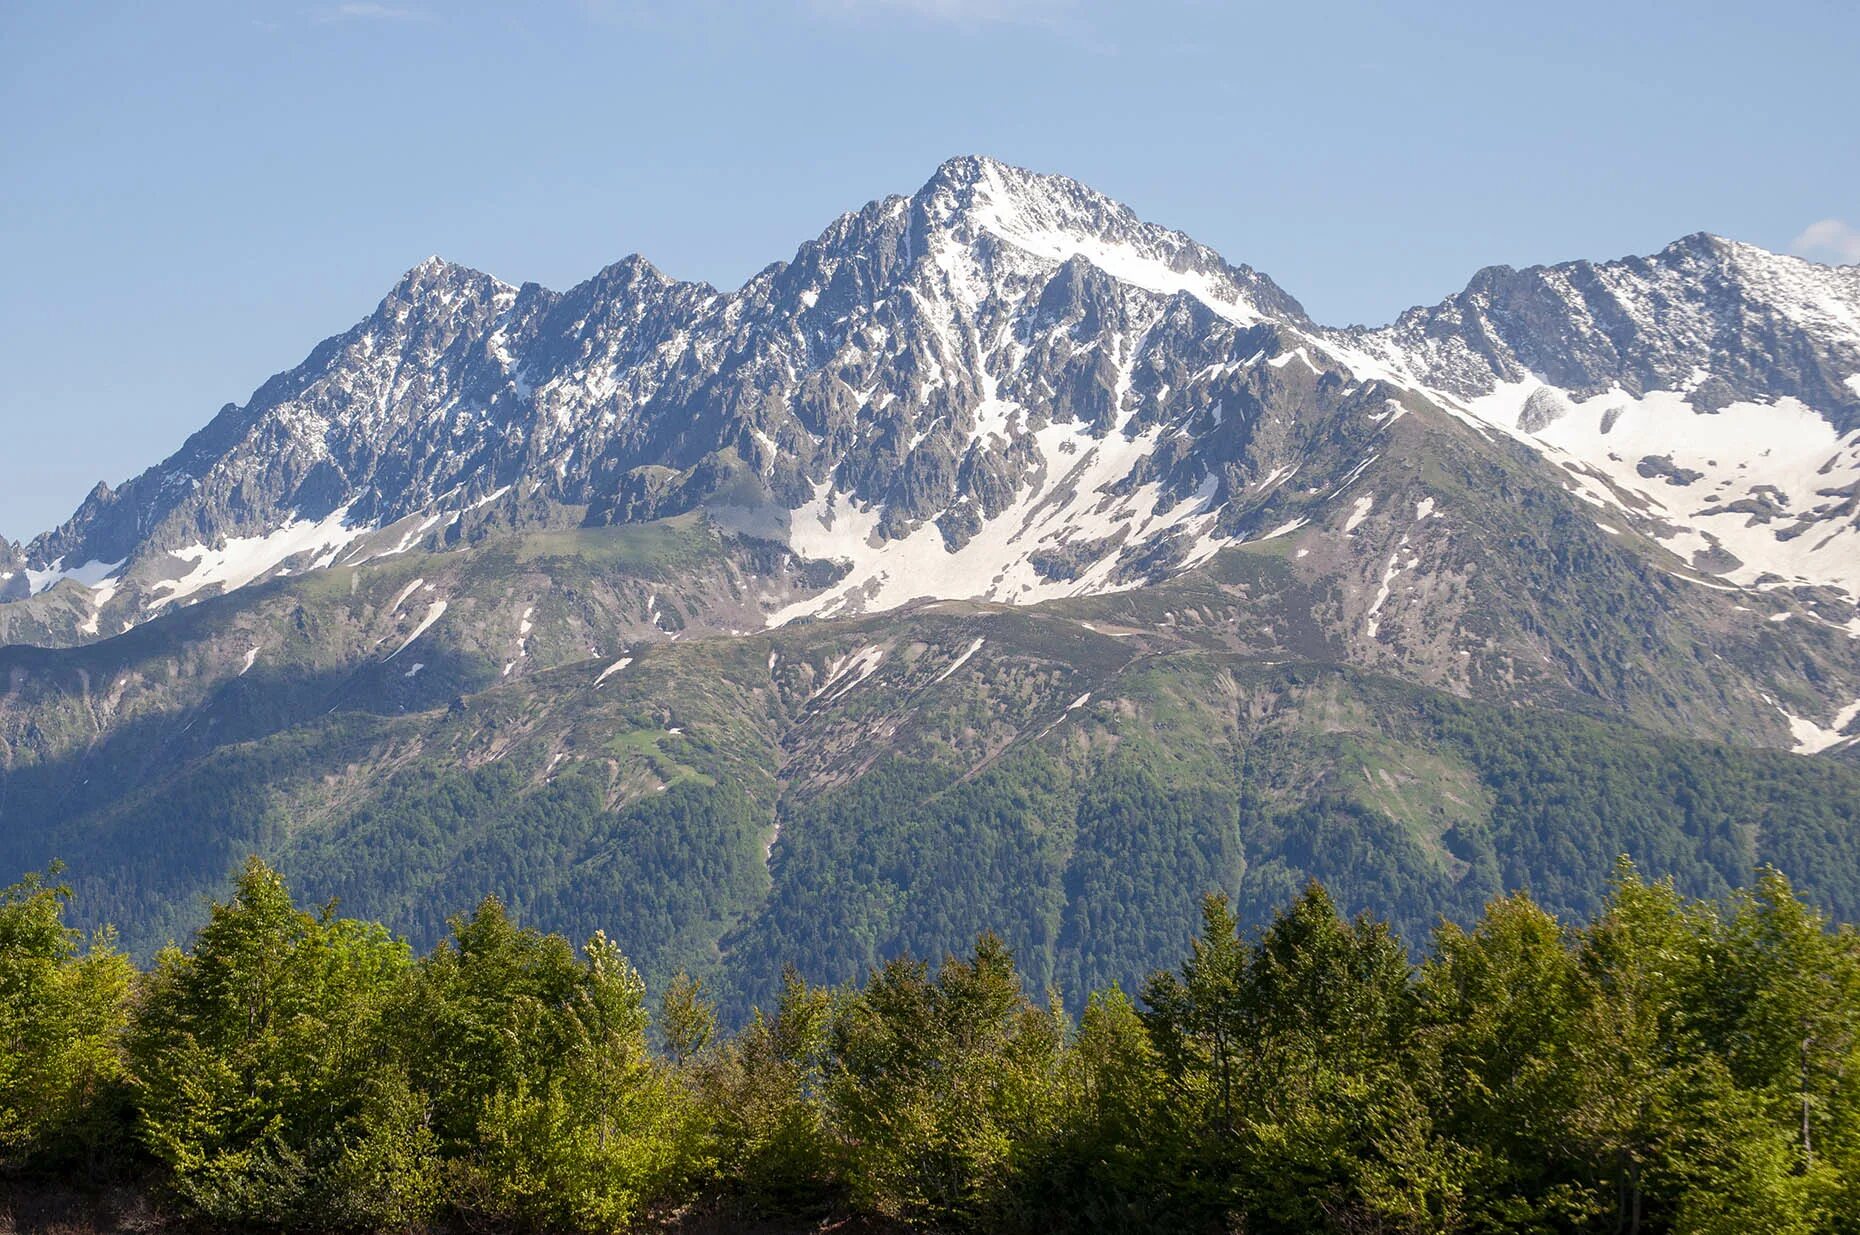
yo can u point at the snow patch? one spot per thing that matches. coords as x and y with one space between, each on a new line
91 574
850 670
1373 621
960 661
401 596
1811 738
243 559
1359 512
1042 226
1065 503
1759 481
433 613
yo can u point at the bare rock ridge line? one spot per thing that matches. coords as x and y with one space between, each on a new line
1005 387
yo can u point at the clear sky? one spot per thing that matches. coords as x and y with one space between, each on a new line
193 194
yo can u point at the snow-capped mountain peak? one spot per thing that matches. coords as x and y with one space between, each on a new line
1058 219
1009 386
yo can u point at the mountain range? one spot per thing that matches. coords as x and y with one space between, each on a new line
1001 559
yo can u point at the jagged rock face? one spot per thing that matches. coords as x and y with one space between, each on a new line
13 583
1718 320
1005 386
920 365
1707 397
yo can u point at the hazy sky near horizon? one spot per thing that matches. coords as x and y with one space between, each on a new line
192 195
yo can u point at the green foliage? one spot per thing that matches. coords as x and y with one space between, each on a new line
938 1085
761 1089
687 1021
63 1010
544 1098
254 1059
1086 844
656 874
1671 1066
1497 1009
1292 1081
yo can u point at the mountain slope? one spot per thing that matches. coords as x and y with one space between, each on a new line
1711 392
1073 773
1005 386
1001 560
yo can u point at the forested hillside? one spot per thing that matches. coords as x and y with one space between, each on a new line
832 795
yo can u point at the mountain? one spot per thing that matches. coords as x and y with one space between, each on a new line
873 369
13 585
912 375
999 531
1712 389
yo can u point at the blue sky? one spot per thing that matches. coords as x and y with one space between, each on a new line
193 194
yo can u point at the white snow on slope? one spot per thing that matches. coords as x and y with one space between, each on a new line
1373 619
1782 458
612 669
92 574
1811 738
242 559
960 661
433 612
401 596
1048 226
408 539
524 626
1359 512
848 671
1065 504
89 624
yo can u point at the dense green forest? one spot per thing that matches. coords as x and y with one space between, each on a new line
699 846
1669 1064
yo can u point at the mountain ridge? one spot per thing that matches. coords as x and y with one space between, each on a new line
1008 387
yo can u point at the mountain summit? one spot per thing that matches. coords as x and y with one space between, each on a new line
1004 387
